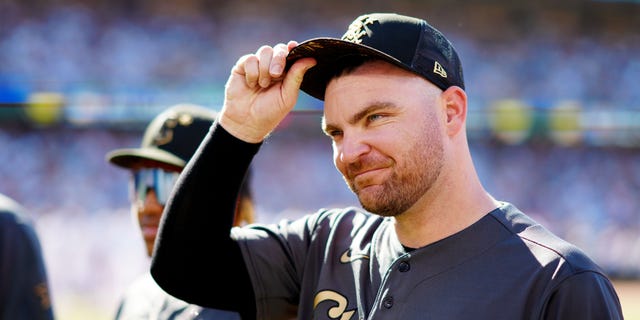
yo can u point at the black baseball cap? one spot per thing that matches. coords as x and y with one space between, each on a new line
407 42
172 137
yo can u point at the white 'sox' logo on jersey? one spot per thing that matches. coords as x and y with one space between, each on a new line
340 310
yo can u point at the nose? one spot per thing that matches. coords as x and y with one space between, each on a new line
150 205
350 148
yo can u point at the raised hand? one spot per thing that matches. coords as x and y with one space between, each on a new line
259 94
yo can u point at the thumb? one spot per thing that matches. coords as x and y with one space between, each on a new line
292 81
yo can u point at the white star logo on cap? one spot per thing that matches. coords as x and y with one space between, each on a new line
357 30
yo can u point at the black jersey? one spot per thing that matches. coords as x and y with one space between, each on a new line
348 264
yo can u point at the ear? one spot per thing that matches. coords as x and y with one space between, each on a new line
455 104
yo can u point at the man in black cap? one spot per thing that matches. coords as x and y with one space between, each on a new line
429 243
169 141
24 286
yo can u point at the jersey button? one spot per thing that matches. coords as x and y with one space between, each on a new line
404 266
388 302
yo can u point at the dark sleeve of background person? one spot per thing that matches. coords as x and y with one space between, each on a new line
195 258
24 291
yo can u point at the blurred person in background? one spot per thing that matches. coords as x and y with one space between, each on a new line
169 141
429 240
24 288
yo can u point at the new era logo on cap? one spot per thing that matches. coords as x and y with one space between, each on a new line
438 69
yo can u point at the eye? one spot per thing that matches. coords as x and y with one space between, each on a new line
373 117
333 133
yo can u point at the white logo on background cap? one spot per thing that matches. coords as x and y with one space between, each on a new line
165 135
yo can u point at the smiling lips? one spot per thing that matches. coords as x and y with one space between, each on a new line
367 166
366 177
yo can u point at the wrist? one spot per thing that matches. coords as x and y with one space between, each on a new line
242 131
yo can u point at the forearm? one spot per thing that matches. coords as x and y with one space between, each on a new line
197 221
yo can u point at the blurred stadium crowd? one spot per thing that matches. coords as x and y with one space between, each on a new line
109 56
113 65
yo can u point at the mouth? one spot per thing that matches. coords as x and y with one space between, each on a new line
366 178
149 231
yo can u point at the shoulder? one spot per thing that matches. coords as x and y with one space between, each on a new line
322 218
542 243
318 227
8 204
142 290
349 220
584 295
16 226
145 299
12 213
576 285
352 215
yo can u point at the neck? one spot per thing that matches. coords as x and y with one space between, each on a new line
453 204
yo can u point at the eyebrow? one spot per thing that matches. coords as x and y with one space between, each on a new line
372 108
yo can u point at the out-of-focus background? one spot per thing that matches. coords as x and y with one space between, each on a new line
554 122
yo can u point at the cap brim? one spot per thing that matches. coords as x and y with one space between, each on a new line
128 158
326 51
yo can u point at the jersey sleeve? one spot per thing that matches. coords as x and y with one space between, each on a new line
587 295
194 250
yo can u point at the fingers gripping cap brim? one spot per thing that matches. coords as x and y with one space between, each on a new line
128 158
326 52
